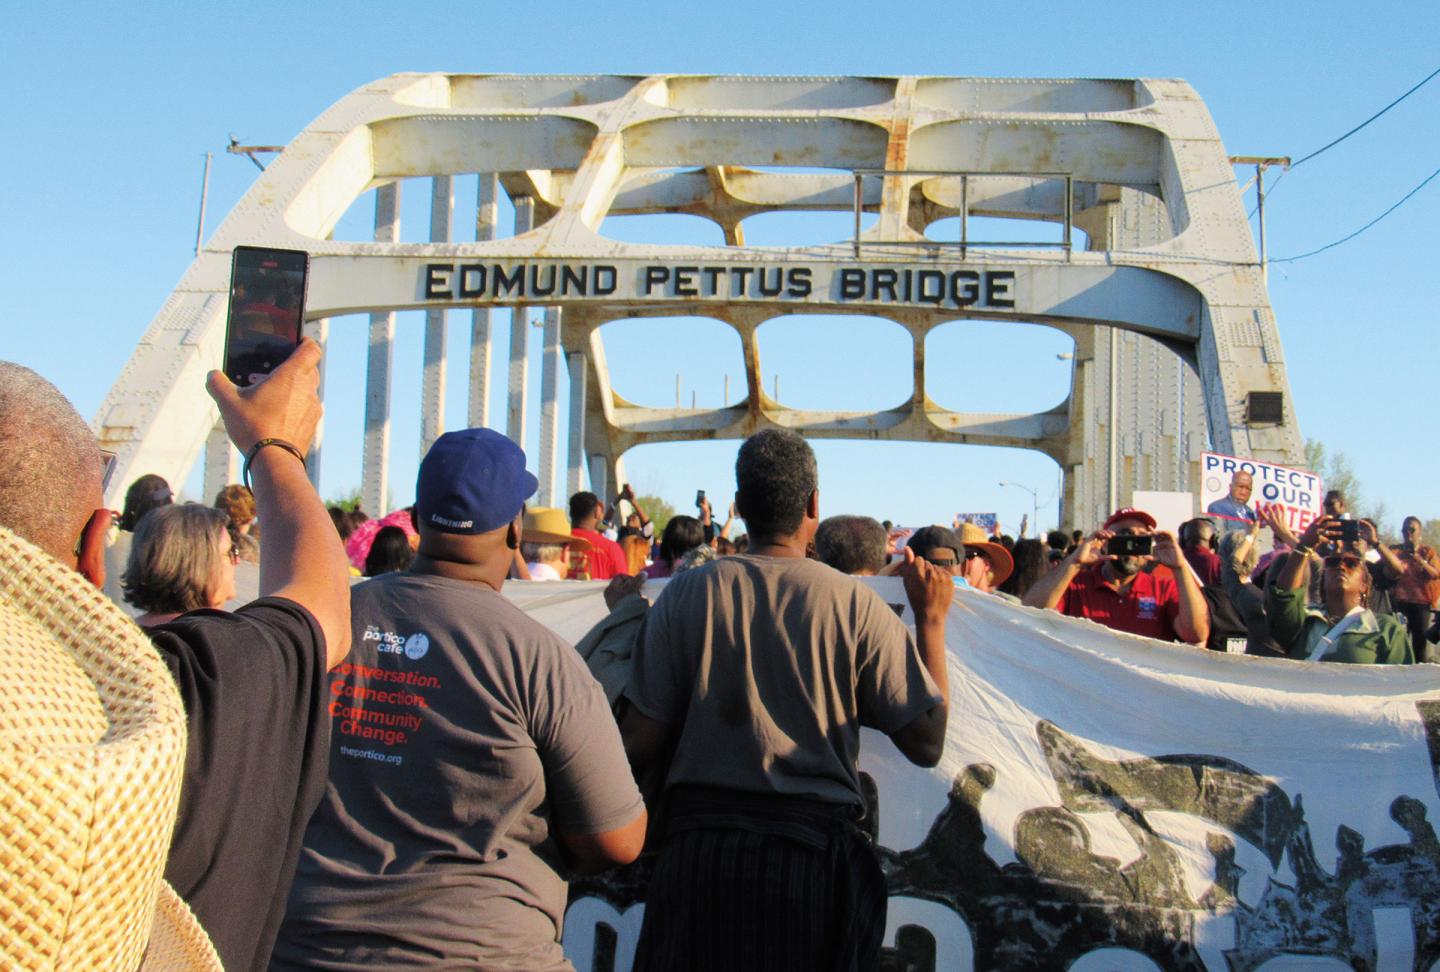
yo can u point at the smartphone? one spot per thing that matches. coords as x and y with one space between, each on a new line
267 306
1349 531
1130 545
699 498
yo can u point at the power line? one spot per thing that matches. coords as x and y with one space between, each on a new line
1330 246
1325 148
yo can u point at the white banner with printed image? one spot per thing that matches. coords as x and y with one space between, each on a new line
1126 804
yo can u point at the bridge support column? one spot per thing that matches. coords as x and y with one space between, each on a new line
320 331
375 464
432 384
519 338
550 362
1137 417
575 452
222 463
481 343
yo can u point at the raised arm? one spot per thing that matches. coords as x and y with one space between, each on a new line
1048 590
1192 623
930 591
302 557
1394 567
1295 572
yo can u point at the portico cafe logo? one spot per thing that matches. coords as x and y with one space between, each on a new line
390 643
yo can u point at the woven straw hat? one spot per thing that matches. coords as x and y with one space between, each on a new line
547 524
92 747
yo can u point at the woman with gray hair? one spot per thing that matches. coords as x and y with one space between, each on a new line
182 559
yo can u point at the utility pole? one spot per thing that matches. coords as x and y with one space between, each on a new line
1261 163
249 151
204 195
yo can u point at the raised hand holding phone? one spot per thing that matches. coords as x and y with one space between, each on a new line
266 310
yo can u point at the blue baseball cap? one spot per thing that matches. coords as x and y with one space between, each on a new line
472 481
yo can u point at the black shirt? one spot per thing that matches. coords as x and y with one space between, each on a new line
252 684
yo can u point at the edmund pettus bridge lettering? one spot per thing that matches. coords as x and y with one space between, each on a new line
812 283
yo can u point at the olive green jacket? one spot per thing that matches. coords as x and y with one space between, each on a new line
1372 640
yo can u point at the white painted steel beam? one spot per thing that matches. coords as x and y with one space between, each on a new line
1171 264
319 330
550 367
432 384
481 343
575 448
222 466
380 365
518 385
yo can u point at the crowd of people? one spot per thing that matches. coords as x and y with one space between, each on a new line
403 770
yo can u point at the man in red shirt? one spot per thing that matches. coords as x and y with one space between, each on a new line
604 559
1128 593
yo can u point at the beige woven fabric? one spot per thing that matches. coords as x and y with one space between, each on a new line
92 746
176 939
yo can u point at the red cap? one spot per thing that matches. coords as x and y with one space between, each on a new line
1129 513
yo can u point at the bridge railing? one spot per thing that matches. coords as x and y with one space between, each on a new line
964 243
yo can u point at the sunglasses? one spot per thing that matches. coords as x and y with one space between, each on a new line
1335 562
951 561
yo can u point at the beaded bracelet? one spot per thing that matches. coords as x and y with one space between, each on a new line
254 449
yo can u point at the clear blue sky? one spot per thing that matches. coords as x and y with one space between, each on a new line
113 107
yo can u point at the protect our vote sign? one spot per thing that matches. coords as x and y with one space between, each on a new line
1294 491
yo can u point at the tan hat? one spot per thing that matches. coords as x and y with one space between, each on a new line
546 524
92 748
1002 564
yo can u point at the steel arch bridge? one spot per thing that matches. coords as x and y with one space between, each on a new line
1166 303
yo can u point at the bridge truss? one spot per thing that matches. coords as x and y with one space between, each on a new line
1176 347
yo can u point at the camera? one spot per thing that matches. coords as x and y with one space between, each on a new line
1130 545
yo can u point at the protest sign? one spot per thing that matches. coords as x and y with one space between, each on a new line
989 522
1111 802
1296 493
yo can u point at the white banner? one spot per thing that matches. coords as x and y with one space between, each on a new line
1109 802
1297 493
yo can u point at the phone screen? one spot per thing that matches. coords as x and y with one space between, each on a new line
267 306
1127 545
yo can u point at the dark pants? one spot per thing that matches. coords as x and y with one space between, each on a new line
1417 620
759 883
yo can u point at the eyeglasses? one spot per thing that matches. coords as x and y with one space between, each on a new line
234 553
101 520
1336 562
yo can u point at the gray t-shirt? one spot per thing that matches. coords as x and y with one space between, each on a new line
766 668
463 734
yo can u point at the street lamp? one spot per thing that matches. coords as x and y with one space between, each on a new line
1034 508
